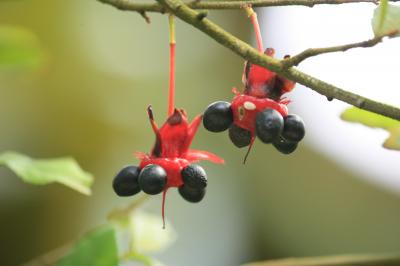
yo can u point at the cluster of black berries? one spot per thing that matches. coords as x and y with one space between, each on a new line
152 179
268 125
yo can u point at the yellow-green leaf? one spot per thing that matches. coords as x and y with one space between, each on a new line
386 19
373 120
148 234
393 141
19 47
145 231
96 248
65 171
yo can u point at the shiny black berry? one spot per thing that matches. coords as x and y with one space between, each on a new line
239 136
194 176
125 183
284 146
218 117
293 129
152 179
192 194
269 125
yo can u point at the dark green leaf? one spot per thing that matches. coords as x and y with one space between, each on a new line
97 248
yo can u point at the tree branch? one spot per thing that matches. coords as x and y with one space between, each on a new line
140 7
247 52
344 260
297 59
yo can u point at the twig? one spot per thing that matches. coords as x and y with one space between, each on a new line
247 52
140 7
297 59
145 16
51 257
344 260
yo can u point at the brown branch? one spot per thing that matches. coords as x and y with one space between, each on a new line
132 5
297 59
344 260
179 9
145 16
51 257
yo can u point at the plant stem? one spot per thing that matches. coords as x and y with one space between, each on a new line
51 257
253 17
140 7
249 53
172 45
297 59
344 260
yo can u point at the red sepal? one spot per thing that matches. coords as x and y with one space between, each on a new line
195 155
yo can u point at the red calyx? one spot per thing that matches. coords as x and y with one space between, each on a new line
262 83
246 107
171 150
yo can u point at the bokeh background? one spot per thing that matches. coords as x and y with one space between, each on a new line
105 66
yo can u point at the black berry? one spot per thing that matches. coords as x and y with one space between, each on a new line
125 183
239 136
218 116
192 194
152 179
293 129
269 125
194 176
285 146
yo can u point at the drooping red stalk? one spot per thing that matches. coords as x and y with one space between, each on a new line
253 17
171 90
253 138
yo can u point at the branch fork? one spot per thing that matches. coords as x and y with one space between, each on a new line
283 67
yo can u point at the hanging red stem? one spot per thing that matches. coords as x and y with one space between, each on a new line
253 17
171 91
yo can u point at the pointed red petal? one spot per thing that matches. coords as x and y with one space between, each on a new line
192 129
194 126
141 155
195 155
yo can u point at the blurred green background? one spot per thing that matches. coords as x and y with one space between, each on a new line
103 67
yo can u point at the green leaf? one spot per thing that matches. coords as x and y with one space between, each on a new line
145 229
373 120
96 248
148 234
386 19
145 260
44 171
19 48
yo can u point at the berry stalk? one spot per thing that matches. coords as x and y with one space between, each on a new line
253 17
171 90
